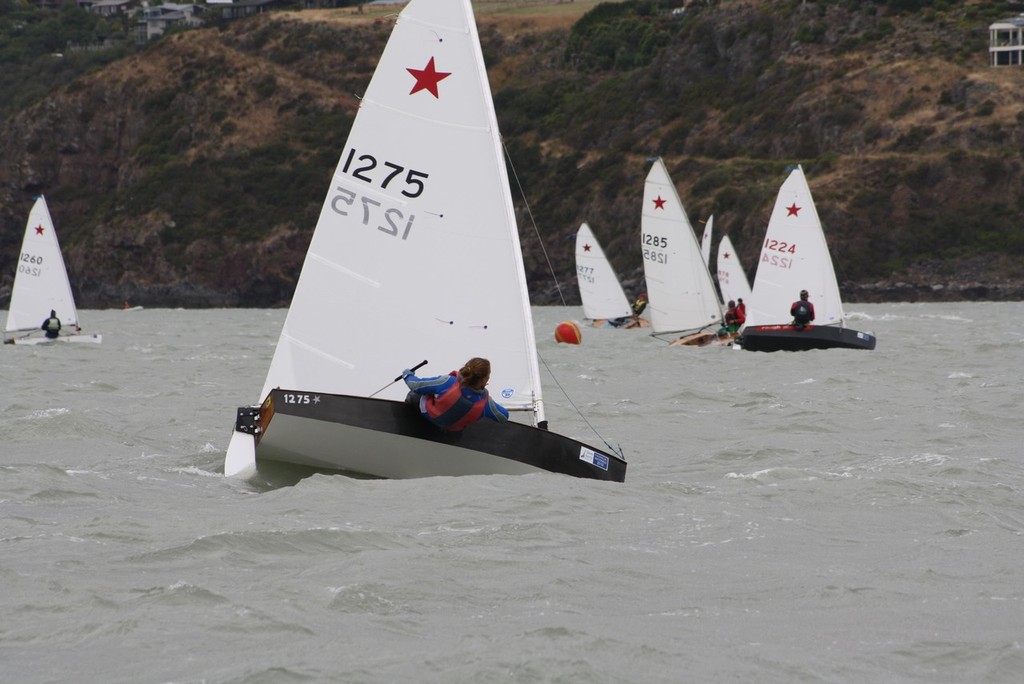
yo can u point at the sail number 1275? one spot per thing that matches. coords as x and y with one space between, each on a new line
366 168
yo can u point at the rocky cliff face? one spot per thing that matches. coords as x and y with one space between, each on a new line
191 174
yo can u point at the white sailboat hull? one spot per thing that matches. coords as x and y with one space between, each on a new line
72 339
390 439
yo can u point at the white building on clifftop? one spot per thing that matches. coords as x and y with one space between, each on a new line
1006 42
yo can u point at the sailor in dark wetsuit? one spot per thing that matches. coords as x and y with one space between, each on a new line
802 311
51 325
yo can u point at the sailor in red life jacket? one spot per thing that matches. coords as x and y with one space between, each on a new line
458 399
733 319
741 311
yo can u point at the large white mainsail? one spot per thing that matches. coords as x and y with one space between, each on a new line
600 289
794 257
416 252
41 282
732 280
681 295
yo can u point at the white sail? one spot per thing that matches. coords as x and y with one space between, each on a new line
41 282
681 295
705 241
416 252
732 280
600 289
794 257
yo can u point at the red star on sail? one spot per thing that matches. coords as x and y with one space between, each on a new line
726 255
428 78
39 229
793 210
659 203
586 248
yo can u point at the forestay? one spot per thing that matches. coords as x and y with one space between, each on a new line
794 257
680 291
416 251
600 289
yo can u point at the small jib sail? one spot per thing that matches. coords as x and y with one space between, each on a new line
732 280
415 256
795 257
41 285
604 301
681 295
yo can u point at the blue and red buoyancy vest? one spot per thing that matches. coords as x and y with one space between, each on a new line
456 407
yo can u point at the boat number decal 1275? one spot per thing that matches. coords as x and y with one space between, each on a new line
30 265
650 244
296 398
366 168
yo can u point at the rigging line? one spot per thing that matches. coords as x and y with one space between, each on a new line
615 450
536 230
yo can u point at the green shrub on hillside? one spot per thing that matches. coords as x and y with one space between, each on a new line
38 50
616 36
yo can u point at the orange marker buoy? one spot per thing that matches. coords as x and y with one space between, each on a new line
568 332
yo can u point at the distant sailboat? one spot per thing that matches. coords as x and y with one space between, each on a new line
681 295
41 285
416 255
705 241
604 302
795 257
732 279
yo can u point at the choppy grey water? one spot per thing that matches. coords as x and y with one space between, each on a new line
833 516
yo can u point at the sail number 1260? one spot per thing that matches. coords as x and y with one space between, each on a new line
30 264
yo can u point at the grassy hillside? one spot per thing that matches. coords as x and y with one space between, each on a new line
192 172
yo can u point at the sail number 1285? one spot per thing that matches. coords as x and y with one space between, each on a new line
652 246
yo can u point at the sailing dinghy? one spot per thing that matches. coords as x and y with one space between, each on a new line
732 280
41 285
681 295
795 257
604 301
415 255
